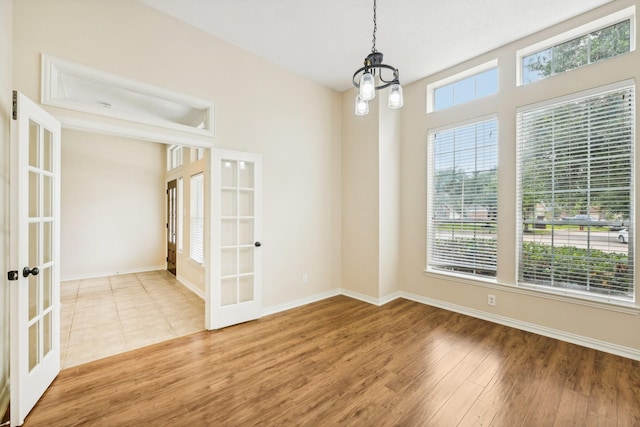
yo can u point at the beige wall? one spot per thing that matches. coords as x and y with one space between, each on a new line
371 199
597 323
295 124
360 199
112 205
5 124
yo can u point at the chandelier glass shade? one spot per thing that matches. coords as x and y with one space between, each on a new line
374 76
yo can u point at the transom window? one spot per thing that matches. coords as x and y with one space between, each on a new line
465 89
174 157
575 161
463 199
605 38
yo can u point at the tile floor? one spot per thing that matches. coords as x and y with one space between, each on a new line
109 315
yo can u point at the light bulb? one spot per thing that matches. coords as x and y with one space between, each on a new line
395 96
362 106
367 87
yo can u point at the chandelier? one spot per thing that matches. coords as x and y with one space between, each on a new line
365 78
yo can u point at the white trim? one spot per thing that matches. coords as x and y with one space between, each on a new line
572 97
130 131
193 288
266 311
595 344
369 299
592 343
52 67
114 273
600 23
602 303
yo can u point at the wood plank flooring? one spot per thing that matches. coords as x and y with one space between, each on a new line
342 362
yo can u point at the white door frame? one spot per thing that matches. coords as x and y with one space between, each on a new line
159 136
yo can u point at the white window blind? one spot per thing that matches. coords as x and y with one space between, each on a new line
196 251
463 199
180 212
575 162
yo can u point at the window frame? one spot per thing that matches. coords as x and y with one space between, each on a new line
431 194
577 295
582 30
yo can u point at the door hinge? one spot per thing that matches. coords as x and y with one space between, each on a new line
15 105
13 275
167 259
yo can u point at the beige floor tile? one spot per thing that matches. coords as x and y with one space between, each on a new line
94 295
123 278
102 336
87 320
125 285
94 289
148 337
154 322
89 352
130 293
68 293
187 326
119 313
96 281
136 313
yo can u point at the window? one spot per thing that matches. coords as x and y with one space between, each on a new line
587 49
174 157
575 160
465 89
180 213
463 199
197 154
196 242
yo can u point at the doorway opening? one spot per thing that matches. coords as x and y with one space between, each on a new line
116 292
172 225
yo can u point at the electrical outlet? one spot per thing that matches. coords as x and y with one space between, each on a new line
305 278
491 299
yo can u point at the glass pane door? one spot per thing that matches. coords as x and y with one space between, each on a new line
237 245
235 289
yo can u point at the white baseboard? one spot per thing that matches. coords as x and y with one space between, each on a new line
607 347
193 288
299 302
371 300
628 352
113 273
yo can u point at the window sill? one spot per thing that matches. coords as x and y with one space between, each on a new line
603 303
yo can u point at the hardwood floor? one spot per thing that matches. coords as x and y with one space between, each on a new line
344 362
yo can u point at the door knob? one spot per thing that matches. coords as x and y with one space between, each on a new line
26 271
258 244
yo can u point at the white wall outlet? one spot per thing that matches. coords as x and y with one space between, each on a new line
491 299
305 278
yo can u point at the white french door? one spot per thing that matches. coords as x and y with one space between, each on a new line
35 244
235 291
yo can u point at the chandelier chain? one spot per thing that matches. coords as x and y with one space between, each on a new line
375 28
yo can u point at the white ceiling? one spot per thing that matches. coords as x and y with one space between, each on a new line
326 41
